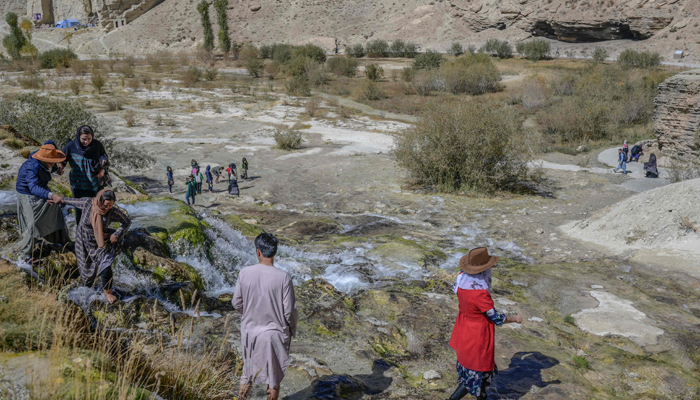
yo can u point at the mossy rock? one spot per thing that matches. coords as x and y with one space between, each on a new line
167 269
310 228
186 227
324 310
396 251
245 228
58 267
60 188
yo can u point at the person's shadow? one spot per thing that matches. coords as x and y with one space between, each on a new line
524 372
346 387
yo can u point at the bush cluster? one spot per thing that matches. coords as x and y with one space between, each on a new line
500 48
470 145
639 59
534 50
381 48
55 57
429 60
600 54
342 66
288 140
471 73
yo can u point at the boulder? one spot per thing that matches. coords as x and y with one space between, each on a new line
677 116
166 269
323 309
242 226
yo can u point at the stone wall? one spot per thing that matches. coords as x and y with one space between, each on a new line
677 116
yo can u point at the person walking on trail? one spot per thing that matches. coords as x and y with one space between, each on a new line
210 178
244 169
198 178
626 150
97 245
264 295
621 163
39 214
191 186
171 179
87 157
473 333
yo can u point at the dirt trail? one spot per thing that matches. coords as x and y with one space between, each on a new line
368 109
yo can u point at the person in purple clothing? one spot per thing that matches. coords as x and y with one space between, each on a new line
39 212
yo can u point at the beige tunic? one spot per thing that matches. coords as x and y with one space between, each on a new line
264 295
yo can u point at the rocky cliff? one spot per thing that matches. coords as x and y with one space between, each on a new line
677 115
104 11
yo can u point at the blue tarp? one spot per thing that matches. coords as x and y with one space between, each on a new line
67 23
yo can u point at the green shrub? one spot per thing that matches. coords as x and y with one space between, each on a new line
282 52
500 48
427 81
13 143
296 66
600 54
374 72
191 76
407 74
265 51
255 67
580 362
398 48
377 49
429 60
355 51
342 66
289 140
370 91
410 50
469 145
310 51
456 49
636 59
298 86
74 86
210 74
472 74
55 57
534 50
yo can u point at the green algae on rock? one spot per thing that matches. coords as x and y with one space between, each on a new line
395 251
240 225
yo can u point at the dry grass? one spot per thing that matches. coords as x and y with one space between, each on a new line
130 118
105 364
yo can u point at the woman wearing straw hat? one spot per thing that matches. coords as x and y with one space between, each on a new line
473 334
38 214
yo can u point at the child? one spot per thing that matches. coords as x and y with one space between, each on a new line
210 178
244 167
191 190
198 178
171 180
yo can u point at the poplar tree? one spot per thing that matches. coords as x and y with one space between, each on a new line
15 41
203 9
224 40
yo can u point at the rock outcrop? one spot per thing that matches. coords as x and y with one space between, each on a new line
104 11
677 116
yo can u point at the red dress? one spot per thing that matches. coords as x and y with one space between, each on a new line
473 334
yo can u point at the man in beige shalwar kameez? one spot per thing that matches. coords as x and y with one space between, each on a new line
264 295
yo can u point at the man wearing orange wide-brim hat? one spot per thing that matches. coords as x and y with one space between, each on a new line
38 212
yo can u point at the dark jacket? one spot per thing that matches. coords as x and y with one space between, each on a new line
84 163
191 188
210 178
33 178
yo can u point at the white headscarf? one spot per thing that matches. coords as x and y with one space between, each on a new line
480 281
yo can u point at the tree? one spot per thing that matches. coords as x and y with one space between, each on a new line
222 18
203 9
15 41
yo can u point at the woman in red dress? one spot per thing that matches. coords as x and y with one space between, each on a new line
473 334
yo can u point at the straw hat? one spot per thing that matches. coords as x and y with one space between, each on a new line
48 153
478 260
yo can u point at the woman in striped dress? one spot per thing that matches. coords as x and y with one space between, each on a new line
96 245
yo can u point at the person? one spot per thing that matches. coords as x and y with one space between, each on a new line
556 54
39 214
473 333
232 171
191 187
244 167
621 164
650 167
86 156
194 165
264 295
210 178
626 150
636 152
171 179
217 173
97 245
233 189
198 178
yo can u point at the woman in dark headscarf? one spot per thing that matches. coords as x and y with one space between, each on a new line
650 167
96 245
87 159
171 179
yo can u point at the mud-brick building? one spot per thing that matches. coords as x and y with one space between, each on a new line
104 12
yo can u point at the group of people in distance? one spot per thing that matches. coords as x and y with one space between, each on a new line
625 155
40 214
196 178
